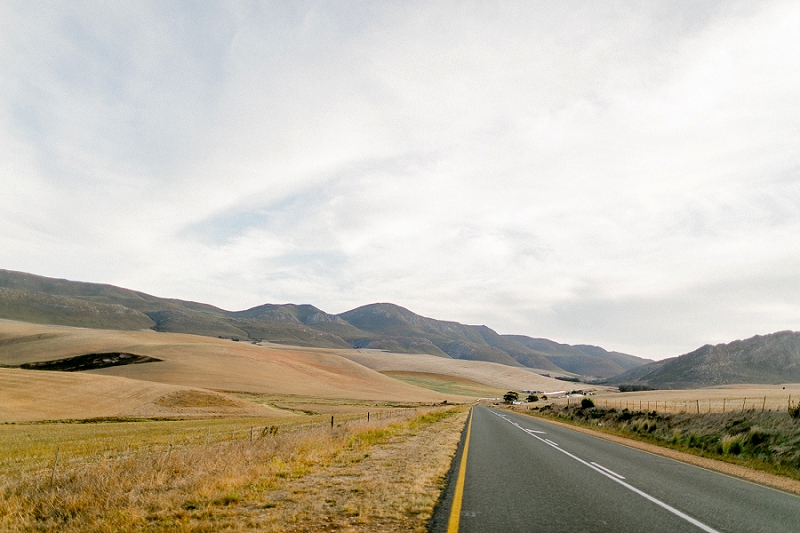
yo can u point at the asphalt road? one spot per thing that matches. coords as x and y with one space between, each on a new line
524 475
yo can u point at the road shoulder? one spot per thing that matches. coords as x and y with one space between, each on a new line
749 474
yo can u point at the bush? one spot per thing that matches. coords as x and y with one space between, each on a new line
587 403
631 387
731 444
794 410
532 398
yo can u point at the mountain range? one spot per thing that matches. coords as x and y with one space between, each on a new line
381 326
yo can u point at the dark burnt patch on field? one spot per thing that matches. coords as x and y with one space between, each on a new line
92 361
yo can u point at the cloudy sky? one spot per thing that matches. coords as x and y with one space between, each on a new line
617 173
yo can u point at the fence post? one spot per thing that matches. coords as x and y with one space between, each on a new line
764 404
698 406
251 434
331 421
743 403
723 404
367 416
55 462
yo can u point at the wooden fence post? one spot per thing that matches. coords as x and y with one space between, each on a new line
331 421
55 462
743 403
764 404
698 406
251 434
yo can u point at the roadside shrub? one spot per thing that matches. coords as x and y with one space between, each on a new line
587 403
794 410
757 436
738 425
731 445
624 416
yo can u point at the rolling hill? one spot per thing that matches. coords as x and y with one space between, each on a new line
207 363
175 375
764 359
381 326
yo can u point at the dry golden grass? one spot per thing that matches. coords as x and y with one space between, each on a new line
379 476
446 384
715 400
208 363
38 395
493 375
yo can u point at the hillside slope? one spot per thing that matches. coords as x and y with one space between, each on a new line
27 395
459 341
570 358
208 363
773 358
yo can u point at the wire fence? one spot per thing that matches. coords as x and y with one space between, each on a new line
706 405
59 450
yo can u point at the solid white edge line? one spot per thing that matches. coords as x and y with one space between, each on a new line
641 493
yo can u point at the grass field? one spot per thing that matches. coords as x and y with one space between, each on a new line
715 400
491 375
446 384
382 475
186 362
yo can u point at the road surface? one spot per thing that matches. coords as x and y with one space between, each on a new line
520 474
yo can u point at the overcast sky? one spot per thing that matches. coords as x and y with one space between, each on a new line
624 174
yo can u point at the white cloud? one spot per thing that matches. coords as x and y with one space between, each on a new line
592 172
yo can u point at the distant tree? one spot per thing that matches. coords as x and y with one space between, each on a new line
587 403
532 398
510 397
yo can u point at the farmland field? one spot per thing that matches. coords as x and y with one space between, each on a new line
300 475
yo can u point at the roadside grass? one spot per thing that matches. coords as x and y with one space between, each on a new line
29 446
277 482
768 441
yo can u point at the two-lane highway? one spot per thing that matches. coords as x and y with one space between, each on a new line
522 475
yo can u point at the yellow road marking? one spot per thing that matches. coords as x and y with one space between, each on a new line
455 510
